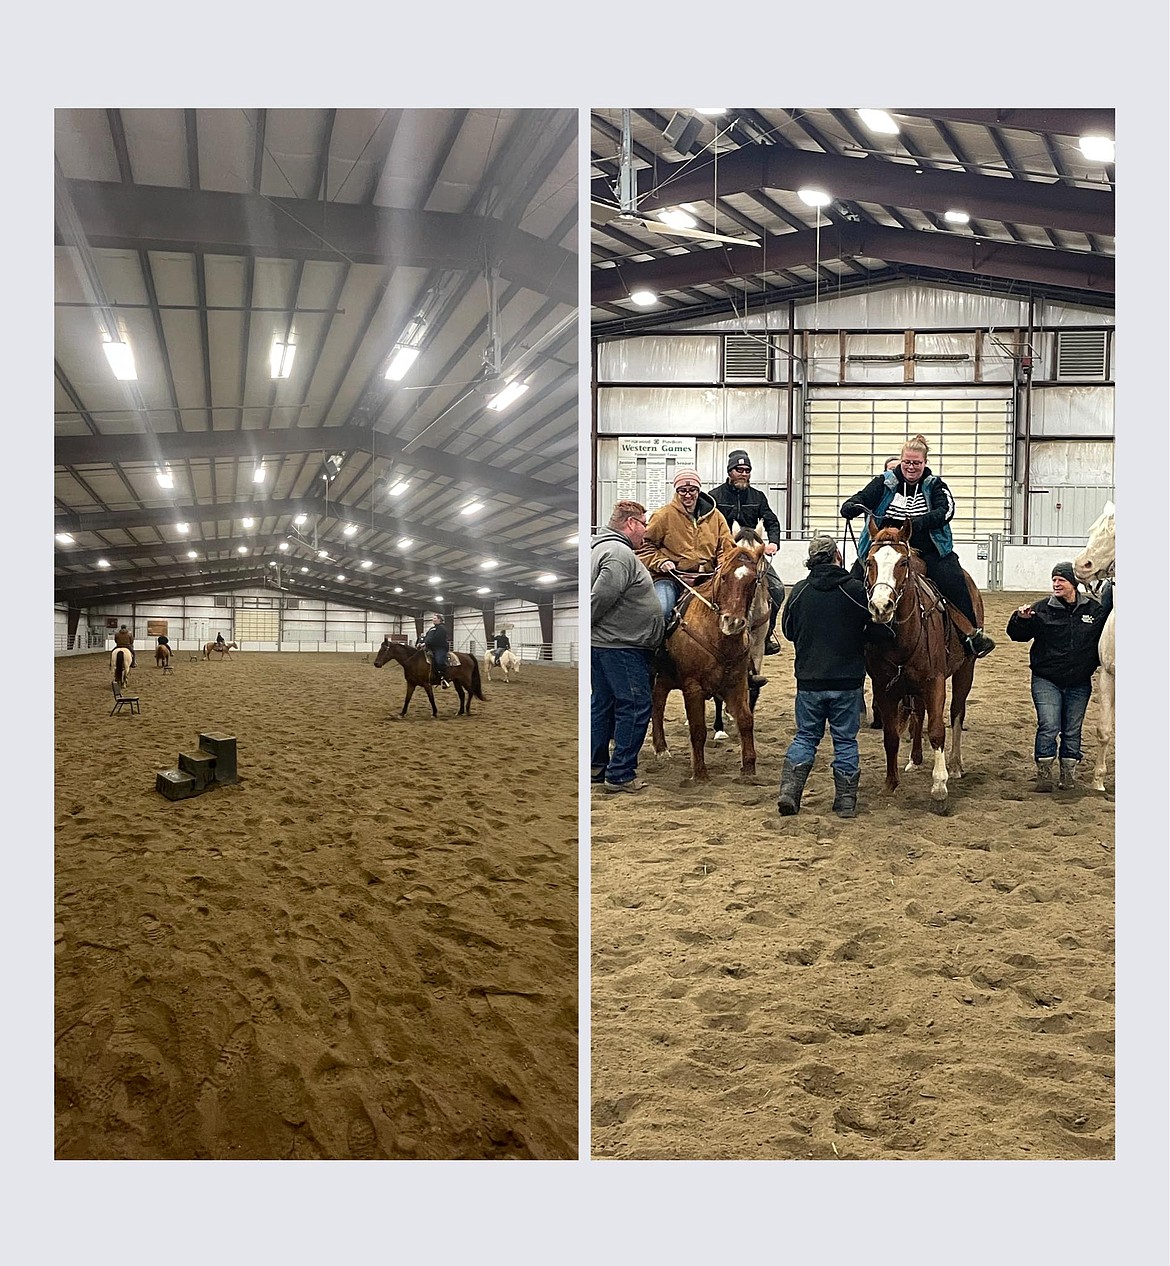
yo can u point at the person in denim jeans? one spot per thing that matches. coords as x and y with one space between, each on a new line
827 620
626 628
1064 631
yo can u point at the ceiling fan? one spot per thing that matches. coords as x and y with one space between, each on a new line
626 210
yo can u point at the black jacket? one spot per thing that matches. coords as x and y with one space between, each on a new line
826 619
746 506
435 640
1064 638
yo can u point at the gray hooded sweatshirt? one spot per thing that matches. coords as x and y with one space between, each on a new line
624 609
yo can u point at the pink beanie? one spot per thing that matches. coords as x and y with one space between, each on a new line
686 475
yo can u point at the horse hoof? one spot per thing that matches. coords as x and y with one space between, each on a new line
719 735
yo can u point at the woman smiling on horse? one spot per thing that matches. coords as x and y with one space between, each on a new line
912 492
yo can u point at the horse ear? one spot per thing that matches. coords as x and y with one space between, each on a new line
871 526
906 531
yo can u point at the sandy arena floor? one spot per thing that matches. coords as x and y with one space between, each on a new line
367 948
896 985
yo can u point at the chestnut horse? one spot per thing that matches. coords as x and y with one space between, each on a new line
162 657
707 655
757 634
910 674
1096 562
463 671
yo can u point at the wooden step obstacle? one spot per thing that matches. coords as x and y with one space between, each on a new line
214 762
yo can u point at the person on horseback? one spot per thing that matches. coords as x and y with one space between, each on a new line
436 641
1064 632
125 638
500 644
911 491
219 640
740 503
828 622
163 640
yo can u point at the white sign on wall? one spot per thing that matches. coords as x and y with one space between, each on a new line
646 461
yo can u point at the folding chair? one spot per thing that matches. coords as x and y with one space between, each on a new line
120 699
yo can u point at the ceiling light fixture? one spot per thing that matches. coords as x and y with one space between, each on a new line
350 529
304 571
341 575
366 564
65 538
1097 149
814 197
397 588
488 564
399 488
509 395
472 507
676 218
182 528
407 348
483 589
956 217
546 579
575 539
879 122
333 466
711 110
644 298
280 358
282 546
434 580
164 477
248 522
103 562
322 553
258 474
405 542
241 549
192 554
121 360
299 520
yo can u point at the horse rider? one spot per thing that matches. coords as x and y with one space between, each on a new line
219 640
125 638
163 640
436 641
828 622
500 644
740 503
912 492
625 630
1064 631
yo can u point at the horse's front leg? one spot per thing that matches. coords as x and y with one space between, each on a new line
431 696
406 701
935 700
462 711
657 712
740 708
1105 720
910 713
696 707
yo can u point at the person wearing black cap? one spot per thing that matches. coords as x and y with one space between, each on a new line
912 491
436 641
828 622
1064 630
739 502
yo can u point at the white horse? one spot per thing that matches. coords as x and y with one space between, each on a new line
1098 561
120 658
509 664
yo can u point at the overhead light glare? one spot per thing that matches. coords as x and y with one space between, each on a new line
103 562
241 549
644 298
192 554
400 362
341 575
546 579
472 507
488 564
879 122
711 111
280 358
182 528
509 395
814 197
283 546
956 217
300 519
397 588
366 564
304 571
575 539
434 580
350 529
676 218
322 553
121 360
399 488
483 589
165 478
405 542
258 475
65 538
248 522
1097 149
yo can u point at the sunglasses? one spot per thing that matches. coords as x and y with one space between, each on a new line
744 470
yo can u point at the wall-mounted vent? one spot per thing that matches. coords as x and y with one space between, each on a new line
746 358
222 600
292 604
1082 354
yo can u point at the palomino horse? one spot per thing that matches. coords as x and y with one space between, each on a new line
120 658
224 648
758 634
162 656
509 664
910 674
1098 561
463 671
708 654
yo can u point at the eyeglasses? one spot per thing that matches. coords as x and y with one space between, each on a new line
912 461
688 490
640 522
744 470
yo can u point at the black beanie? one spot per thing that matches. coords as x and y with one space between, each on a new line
1066 570
737 457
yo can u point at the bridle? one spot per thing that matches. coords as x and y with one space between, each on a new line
711 603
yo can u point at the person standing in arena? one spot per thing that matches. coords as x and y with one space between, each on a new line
626 628
911 492
740 503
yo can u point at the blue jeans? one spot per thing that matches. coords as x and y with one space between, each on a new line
1060 711
619 709
667 593
842 710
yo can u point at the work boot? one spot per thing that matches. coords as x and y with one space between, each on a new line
1068 774
771 646
792 780
755 681
1044 773
845 801
979 644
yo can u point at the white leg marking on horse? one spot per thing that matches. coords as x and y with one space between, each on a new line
938 786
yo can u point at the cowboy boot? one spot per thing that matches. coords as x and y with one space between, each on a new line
978 644
845 801
1068 774
792 780
1044 773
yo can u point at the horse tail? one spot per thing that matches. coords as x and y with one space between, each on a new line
118 661
476 687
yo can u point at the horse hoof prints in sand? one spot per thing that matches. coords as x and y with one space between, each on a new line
910 674
462 670
708 653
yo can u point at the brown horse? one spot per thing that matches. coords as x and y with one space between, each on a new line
462 670
162 657
708 654
224 649
910 674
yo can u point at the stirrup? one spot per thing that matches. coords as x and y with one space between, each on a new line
978 644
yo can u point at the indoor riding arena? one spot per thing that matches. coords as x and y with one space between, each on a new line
316 395
905 983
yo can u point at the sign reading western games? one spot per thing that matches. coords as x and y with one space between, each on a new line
646 466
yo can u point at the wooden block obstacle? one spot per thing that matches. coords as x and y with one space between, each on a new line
213 762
